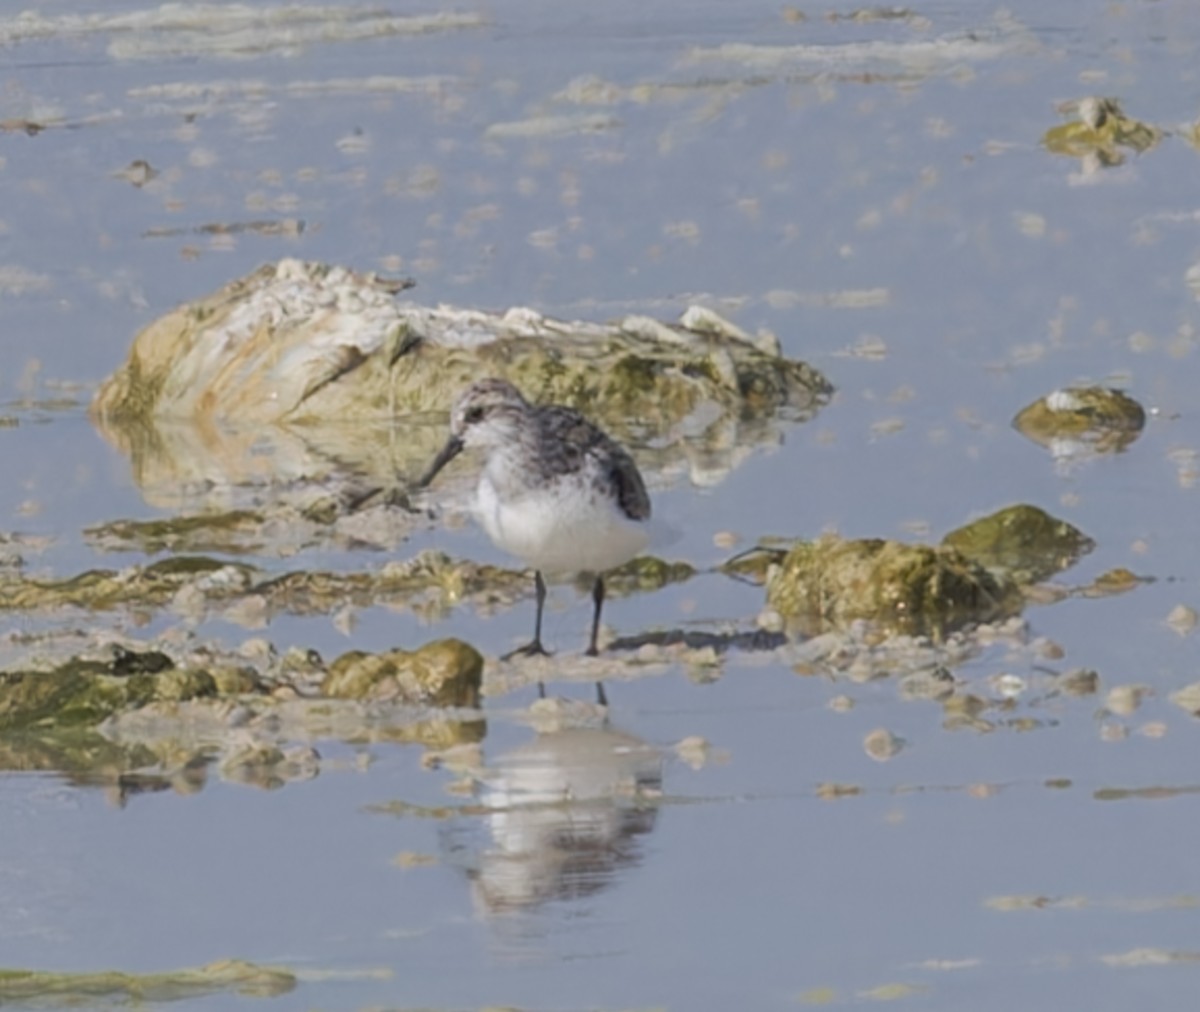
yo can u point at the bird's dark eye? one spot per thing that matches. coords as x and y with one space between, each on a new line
474 415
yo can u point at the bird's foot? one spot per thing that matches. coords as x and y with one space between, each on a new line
534 649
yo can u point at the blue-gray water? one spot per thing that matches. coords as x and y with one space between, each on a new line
835 199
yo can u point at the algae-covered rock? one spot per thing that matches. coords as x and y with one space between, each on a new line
310 342
84 692
78 990
1082 419
132 721
833 581
1100 128
445 672
1025 542
316 364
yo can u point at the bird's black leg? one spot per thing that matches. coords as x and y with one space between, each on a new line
535 647
598 599
592 651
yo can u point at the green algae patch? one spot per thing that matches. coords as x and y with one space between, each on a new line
150 586
429 584
75 990
1101 129
1022 541
1113 582
445 672
1099 419
82 693
831 582
86 757
431 580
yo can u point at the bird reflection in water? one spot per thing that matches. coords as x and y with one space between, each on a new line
564 814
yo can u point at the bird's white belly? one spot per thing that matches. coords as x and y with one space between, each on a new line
564 529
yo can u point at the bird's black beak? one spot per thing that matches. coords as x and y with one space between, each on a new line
452 449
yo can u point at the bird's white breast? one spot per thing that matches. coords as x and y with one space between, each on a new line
566 526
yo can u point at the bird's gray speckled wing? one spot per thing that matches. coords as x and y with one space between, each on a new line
631 490
569 443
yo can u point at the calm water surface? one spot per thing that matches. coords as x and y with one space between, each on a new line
885 191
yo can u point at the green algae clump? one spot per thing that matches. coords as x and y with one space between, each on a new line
78 990
902 588
445 672
1100 129
645 573
82 692
1026 543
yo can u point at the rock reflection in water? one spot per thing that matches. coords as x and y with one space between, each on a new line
565 814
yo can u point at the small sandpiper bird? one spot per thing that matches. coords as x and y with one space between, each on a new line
556 491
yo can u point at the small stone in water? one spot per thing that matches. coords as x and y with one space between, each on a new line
1113 732
1008 686
881 745
1188 698
1047 649
830 792
1182 619
1079 682
693 750
1123 700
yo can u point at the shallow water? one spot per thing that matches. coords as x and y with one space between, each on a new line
886 192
